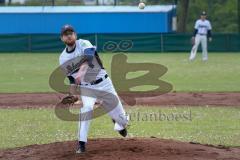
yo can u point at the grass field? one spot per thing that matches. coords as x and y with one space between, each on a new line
30 72
218 126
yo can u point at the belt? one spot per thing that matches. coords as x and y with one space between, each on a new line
96 81
202 34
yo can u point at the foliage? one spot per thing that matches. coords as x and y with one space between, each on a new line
222 13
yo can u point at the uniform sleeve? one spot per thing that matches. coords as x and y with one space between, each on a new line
88 48
209 26
195 32
196 25
195 29
88 52
85 44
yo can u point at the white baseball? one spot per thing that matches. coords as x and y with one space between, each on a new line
141 5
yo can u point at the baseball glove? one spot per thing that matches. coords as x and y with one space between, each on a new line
193 40
70 99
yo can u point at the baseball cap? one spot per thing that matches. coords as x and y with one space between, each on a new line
67 27
203 13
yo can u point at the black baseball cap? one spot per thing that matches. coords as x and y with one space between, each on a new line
203 13
66 28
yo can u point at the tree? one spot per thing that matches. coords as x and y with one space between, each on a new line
223 14
182 15
238 15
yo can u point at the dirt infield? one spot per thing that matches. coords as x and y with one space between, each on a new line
109 149
133 148
32 100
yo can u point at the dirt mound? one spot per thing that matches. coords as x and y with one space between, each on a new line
137 148
33 100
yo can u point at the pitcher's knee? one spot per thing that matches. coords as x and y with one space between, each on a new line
86 113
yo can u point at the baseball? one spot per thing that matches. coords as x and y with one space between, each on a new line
141 5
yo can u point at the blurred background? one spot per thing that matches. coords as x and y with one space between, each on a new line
164 25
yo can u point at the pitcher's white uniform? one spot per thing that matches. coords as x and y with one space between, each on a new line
88 102
202 28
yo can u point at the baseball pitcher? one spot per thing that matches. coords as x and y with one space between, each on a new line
84 69
202 33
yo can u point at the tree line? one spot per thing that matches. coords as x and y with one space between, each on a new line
223 14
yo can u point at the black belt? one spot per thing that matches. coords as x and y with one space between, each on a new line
202 34
97 81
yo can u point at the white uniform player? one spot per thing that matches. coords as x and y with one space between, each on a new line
202 32
77 77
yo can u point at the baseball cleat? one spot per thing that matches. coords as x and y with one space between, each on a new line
121 132
79 151
81 148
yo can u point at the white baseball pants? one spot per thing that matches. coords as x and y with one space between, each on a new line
117 113
203 40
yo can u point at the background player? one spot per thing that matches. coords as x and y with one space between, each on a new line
202 32
78 76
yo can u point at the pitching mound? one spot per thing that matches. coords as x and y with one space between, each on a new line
109 149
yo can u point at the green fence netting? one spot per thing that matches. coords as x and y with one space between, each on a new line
14 43
118 42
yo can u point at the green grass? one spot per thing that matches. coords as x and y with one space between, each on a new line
30 72
218 126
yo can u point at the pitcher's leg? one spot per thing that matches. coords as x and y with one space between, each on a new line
117 112
85 117
194 48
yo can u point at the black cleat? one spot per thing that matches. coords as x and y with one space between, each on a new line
81 148
122 132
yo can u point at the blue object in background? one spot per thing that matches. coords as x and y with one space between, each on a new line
99 19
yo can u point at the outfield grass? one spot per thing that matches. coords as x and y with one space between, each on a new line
30 72
218 126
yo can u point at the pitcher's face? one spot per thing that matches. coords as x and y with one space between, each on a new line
69 38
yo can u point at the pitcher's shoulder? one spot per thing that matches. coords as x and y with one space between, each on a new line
84 43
